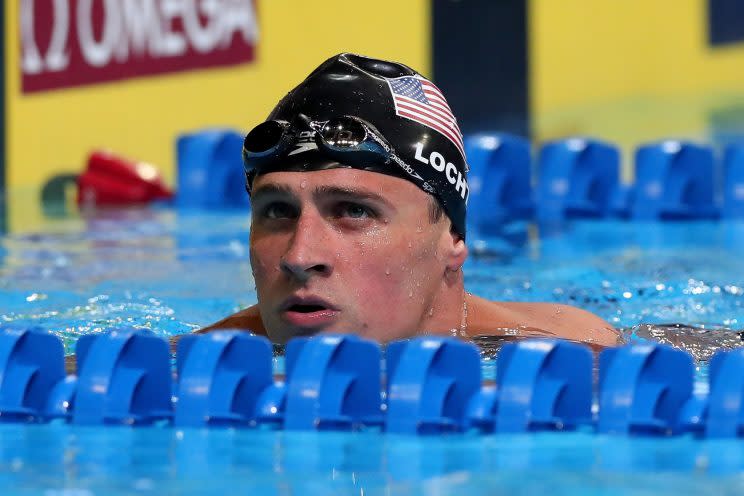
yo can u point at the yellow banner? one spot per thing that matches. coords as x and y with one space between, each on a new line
627 71
52 132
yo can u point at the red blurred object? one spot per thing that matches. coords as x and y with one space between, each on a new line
113 180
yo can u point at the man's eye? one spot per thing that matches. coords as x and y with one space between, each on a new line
354 211
279 211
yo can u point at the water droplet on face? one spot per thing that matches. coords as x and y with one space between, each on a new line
387 271
410 294
410 244
303 184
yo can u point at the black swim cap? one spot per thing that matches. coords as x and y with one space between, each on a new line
407 110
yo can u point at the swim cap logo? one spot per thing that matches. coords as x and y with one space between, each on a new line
440 164
305 143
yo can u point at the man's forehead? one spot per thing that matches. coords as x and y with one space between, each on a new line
335 181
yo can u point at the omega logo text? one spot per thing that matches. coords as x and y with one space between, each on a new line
75 42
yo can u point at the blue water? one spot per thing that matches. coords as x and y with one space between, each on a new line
173 272
113 461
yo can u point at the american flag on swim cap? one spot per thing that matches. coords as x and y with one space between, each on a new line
418 99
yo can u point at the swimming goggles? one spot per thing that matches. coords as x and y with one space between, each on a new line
349 140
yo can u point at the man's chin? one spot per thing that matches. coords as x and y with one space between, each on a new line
289 333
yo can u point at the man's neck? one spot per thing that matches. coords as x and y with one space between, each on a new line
447 312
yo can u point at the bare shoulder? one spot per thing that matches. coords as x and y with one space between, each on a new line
248 319
539 319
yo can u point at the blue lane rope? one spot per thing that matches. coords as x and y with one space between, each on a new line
579 177
432 385
574 178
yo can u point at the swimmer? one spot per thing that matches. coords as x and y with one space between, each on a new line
358 185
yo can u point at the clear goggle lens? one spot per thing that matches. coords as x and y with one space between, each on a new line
343 133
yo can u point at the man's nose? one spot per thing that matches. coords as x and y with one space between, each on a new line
307 253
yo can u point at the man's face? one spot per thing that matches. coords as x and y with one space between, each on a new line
344 250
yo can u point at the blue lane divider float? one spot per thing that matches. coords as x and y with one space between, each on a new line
674 180
210 169
542 385
430 381
643 389
433 385
31 363
724 415
124 378
499 181
335 385
577 179
733 183
217 384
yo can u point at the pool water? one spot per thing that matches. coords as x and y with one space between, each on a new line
175 271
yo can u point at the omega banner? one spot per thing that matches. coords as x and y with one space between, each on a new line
78 42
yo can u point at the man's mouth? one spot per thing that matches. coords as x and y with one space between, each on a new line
306 308
308 312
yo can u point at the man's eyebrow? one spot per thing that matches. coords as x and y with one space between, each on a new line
359 194
271 190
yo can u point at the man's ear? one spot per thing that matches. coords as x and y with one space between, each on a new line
457 251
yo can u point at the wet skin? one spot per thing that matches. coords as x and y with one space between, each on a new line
344 250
